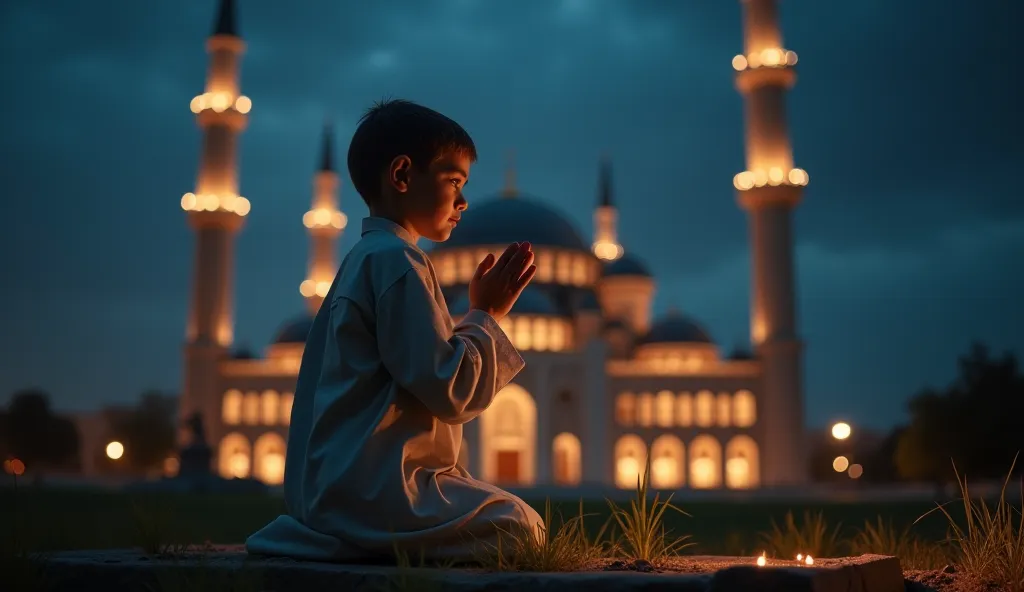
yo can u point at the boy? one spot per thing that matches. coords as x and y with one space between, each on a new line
386 381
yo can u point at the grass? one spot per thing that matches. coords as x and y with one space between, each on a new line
989 538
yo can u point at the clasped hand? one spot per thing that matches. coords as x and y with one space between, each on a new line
496 285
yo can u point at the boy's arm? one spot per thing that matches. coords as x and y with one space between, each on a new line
454 375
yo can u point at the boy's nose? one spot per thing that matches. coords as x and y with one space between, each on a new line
461 203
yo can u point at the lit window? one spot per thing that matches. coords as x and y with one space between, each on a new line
523 333
625 409
448 270
231 407
705 462
705 411
579 270
563 268
271 407
558 335
544 261
251 408
540 334
744 411
667 463
566 448
466 267
741 464
630 458
664 409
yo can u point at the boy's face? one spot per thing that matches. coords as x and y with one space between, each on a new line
433 200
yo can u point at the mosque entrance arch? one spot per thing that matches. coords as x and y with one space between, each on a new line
508 438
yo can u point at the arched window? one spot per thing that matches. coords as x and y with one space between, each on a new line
566 449
667 463
271 407
231 407
705 462
625 409
741 463
507 442
630 459
268 457
664 409
251 408
744 411
233 456
705 409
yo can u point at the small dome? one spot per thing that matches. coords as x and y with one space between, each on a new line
294 331
627 265
676 328
513 219
532 301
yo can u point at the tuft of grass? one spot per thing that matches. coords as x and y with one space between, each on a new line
810 537
558 546
990 542
882 538
22 568
643 531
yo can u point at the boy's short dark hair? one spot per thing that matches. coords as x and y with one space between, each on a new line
393 127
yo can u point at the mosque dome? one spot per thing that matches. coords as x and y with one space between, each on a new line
534 301
676 328
294 331
512 219
627 265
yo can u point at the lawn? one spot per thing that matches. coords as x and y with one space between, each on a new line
53 519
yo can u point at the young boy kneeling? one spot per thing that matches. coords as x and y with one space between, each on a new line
387 381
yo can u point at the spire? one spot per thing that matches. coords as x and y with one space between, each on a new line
327 149
510 176
604 191
226 23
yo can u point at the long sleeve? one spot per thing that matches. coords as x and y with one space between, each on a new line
454 374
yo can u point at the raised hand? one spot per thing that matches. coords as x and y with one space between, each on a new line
496 285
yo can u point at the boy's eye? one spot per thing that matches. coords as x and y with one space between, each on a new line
456 183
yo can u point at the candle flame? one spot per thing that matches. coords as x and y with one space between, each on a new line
799 556
809 560
762 560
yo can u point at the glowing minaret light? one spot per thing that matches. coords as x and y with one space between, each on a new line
325 223
769 190
216 212
606 245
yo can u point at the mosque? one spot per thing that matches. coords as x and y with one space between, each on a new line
605 384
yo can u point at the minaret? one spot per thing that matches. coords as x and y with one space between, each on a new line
606 217
769 190
325 223
216 212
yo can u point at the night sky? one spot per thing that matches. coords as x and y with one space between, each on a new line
903 115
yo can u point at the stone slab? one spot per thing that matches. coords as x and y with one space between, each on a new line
231 569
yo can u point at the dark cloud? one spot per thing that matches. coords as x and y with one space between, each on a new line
903 115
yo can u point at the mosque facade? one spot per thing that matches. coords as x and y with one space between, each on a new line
606 384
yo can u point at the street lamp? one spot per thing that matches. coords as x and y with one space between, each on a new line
841 430
115 450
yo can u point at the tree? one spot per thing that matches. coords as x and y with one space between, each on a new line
147 431
974 423
36 435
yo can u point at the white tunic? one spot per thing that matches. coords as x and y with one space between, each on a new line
385 384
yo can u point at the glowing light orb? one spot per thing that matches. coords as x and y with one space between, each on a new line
115 450
841 430
840 464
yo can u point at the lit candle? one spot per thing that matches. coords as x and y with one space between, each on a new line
762 560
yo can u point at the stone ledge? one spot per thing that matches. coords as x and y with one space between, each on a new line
230 568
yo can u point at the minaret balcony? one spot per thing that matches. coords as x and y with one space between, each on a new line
324 218
220 102
607 250
310 288
773 177
235 205
772 66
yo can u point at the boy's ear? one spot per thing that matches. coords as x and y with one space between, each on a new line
398 173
